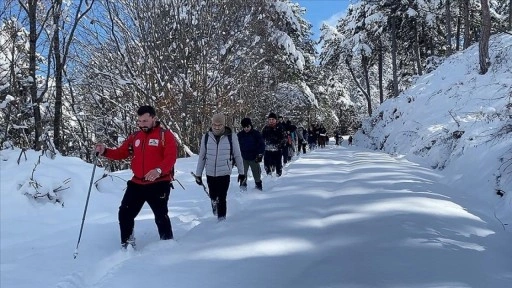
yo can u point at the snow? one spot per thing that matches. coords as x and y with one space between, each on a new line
338 217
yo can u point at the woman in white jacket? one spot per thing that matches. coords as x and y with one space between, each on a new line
216 155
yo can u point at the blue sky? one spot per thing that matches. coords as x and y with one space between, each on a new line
318 11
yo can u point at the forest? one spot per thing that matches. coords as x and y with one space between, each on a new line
72 73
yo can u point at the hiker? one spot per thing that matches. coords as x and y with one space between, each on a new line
154 154
350 139
217 151
252 148
337 138
274 138
281 124
302 140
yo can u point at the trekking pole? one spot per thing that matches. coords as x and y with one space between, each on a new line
204 187
179 183
86 204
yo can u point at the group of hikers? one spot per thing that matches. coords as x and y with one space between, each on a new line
153 152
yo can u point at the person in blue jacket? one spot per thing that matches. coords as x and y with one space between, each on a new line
252 147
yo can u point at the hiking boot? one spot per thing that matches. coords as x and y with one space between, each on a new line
259 186
214 207
130 241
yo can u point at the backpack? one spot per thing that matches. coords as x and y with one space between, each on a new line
230 138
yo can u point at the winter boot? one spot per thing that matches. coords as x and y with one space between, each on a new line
259 186
130 241
214 207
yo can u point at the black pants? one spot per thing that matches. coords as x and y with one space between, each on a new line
284 152
273 158
218 187
302 146
157 195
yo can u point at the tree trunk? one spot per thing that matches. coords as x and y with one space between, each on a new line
381 64
457 29
358 84
484 39
57 120
394 50
416 46
467 30
448 19
36 111
510 15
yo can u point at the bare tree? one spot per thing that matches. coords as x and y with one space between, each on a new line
60 54
30 8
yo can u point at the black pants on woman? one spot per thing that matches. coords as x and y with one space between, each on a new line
218 187
157 195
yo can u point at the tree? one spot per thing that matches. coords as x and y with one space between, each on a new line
483 44
60 55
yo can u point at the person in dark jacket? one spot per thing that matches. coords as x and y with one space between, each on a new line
273 135
252 147
215 156
283 125
154 155
302 140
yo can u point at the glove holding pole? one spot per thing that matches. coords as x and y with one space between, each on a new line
199 181
241 179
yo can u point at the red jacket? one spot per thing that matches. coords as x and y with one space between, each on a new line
148 153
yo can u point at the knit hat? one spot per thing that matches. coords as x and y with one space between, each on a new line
219 118
272 115
246 122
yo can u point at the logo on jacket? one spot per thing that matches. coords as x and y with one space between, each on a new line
153 142
137 143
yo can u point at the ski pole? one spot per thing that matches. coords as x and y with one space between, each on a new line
179 183
86 204
204 187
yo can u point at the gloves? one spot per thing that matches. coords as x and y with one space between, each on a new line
259 158
199 180
241 178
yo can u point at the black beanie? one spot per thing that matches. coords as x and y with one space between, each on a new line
272 115
246 122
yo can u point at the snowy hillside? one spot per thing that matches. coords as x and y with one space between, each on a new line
457 121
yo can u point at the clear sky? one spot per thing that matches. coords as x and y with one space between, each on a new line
318 11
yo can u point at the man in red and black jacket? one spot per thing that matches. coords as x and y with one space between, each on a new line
154 154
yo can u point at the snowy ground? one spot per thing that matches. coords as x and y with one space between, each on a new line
338 217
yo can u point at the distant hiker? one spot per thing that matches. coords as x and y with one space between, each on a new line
302 140
219 146
273 135
291 143
312 137
337 137
284 148
154 154
252 148
322 136
350 140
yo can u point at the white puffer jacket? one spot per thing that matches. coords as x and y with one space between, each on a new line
216 157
